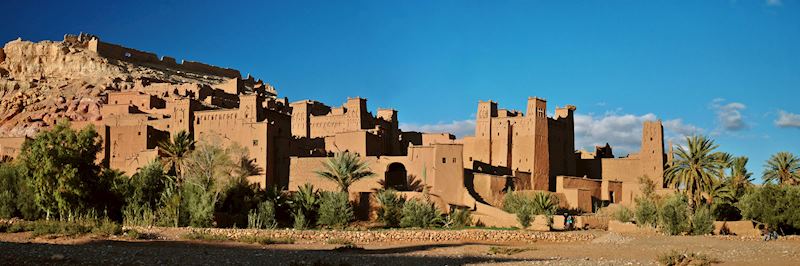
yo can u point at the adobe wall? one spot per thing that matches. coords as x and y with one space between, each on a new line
118 52
490 187
437 166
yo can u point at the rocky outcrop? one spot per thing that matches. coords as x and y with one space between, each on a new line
44 82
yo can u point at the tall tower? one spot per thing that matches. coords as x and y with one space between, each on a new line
540 165
483 131
652 153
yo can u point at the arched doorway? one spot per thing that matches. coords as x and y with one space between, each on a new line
396 177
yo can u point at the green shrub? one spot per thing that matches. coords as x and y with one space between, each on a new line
459 218
107 227
81 226
263 216
334 210
139 215
646 212
169 211
673 216
775 205
8 189
391 210
199 234
418 213
304 203
702 221
525 206
622 214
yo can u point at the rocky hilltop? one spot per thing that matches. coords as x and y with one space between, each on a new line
48 81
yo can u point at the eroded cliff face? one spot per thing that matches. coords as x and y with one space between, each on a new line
44 82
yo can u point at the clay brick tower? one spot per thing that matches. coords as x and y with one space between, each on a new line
652 152
540 165
483 131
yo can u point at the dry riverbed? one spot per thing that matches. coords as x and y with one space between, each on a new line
384 247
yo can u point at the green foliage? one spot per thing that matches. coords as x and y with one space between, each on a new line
418 213
345 168
646 212
8 190
61 165
305 203
263 216
673 216
776 206
702 221
622 214
334 210
239 198
143 194
78 226
207 168
695 168
459 218
200 234
525 206
169 212
782 168
391 210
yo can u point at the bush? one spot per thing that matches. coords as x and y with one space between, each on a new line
702 221
265 240
81 226
675 257
459 218
8 189
143 193
391 211
672 218
305 203
417 213
262 217
622 214
646 212
526 206
774 205
334 210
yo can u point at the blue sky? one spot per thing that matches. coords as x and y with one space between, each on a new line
724 68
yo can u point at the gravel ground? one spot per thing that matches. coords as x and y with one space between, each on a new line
603 249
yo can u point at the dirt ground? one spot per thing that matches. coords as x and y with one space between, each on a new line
605 249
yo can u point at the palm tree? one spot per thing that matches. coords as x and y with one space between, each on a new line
739 177
783 168
696 168
345 169
174 153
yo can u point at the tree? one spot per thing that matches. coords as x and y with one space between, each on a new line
739 177
174 153
695 168
207 168
345 169
305 203
774 205
61 166
783 168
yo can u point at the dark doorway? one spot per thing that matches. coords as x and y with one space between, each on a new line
396 177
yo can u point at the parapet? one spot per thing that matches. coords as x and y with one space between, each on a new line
118 52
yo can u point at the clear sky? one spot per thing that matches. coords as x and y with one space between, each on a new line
729 69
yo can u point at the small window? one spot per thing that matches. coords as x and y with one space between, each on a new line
140 133
128 55
470 159
454 160
255 142
444 160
